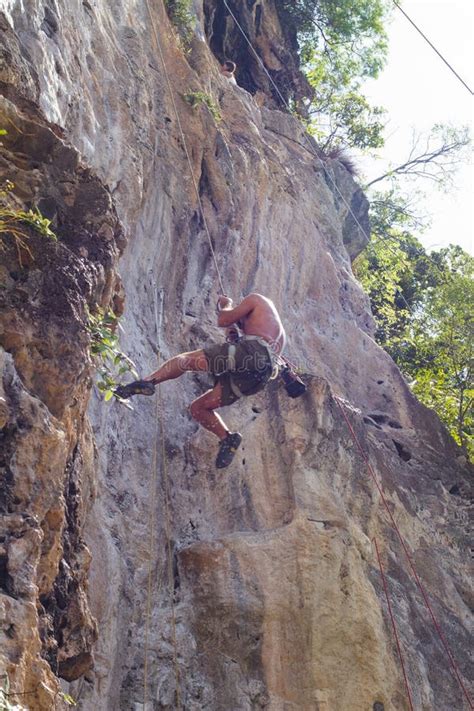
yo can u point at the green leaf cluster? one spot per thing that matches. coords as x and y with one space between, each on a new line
180 14
32 218
312 20
6 187
341 43
37 221
68 699
443 332
199 98
112 363
11 222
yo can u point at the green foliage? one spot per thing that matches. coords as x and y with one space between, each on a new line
424 309
32 218
11 222
394 268
352 122
325 24
67 698
37 221
340 45
198 98
380 270
6 187
112 363
443 332
340 113
180 14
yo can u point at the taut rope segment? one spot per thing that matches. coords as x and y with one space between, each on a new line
151 528
160 434
433 47
185 145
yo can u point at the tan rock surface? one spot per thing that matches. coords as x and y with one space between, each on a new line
270 596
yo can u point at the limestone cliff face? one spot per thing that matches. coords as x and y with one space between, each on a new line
130 569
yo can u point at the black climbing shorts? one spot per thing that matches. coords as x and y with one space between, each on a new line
247 374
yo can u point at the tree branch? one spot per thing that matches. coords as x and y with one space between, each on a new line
415 163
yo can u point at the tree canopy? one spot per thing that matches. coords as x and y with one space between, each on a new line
423 303
424 308
340 44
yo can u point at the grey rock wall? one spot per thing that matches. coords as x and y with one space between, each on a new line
257 587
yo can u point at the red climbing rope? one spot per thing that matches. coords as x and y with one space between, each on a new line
410 562
385 587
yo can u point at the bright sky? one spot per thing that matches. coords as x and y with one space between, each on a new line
418 90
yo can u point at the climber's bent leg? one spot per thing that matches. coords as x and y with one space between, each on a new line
175 367
203 408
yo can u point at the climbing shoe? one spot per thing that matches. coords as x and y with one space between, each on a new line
138 387
294 386
227 449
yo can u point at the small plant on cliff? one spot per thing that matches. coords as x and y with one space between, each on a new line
11 222
6 187
198 98
111 362
180 14
67 698
34 219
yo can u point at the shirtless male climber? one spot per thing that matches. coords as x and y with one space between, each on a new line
242 366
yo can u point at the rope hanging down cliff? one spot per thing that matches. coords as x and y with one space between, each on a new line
160 435
411 564
394 626
185 145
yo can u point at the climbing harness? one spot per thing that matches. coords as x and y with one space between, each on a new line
246 376
293 384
